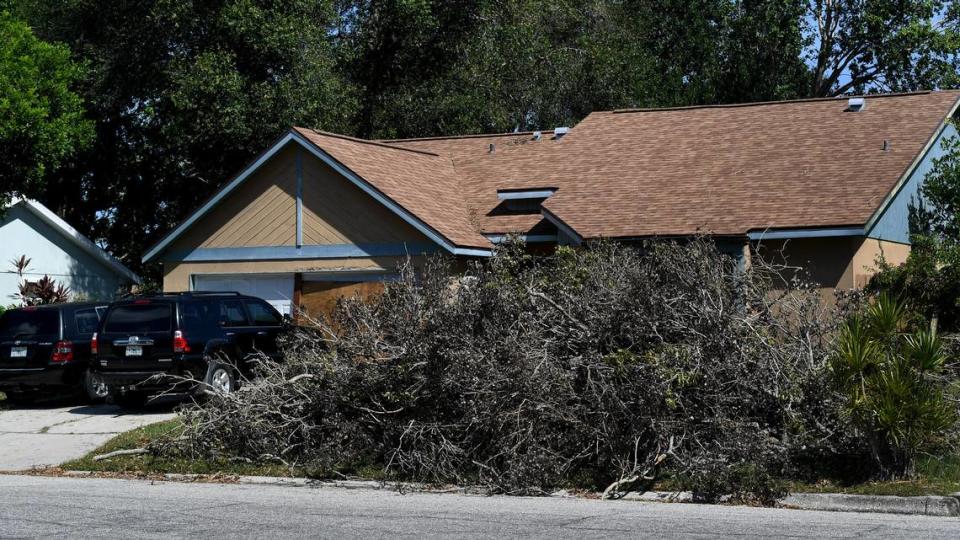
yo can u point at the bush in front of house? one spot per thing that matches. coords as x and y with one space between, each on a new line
896 379
603 367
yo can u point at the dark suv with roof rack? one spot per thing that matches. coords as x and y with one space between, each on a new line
182 342
46 349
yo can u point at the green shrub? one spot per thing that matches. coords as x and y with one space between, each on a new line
894 380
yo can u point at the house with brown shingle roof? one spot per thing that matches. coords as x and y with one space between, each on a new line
826 183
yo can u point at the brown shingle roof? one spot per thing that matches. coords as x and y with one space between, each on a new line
469 146
423 183
722 170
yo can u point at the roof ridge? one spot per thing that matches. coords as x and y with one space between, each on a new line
472 136
365 141
776 102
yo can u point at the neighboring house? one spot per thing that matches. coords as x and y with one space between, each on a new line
824 182
55 249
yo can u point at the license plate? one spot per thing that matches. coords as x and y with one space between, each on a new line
134 350
18 352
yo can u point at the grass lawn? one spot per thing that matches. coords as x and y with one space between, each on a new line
937 476
147 464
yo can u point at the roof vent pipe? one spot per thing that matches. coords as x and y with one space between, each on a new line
856 104
537 135
493 148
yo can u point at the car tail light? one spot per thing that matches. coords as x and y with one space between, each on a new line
62 352
180 342
94 344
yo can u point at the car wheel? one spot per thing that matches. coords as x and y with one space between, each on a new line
220 379
96 389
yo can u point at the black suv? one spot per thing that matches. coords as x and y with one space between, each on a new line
47 348
172 341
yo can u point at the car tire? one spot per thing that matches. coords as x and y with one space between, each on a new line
220 378
131 400
96 389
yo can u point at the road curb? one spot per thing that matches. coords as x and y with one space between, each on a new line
931 505
885 504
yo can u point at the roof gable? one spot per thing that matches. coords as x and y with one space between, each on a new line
395 177
86 245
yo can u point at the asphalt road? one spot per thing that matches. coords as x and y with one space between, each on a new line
51 433
35 507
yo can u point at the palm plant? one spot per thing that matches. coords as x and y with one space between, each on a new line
893 380
46 290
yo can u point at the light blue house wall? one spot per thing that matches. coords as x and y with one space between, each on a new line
23 232
893 224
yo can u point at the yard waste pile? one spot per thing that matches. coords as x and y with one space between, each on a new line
604 368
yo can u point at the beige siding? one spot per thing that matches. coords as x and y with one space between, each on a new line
834 263
261 212
337 212
176 276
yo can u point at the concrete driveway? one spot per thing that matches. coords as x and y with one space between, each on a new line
49 435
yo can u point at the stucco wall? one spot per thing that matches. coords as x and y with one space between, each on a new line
834 263
23 233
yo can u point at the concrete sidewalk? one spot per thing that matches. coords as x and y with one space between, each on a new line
40 435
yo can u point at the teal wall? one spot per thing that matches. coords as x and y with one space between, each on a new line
893 224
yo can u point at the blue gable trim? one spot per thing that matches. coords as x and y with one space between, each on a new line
785 234
893 223
283 253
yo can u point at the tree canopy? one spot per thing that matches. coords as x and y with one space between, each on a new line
41 119
184 93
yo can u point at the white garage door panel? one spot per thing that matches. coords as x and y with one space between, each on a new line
278 290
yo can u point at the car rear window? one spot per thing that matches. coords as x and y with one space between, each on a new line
263 314
138 319
27 323
87 320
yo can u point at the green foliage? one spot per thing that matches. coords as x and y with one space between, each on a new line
929 281
894 382
184 93
881 45
938 213
41 118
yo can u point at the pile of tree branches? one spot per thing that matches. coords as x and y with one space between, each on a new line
603 367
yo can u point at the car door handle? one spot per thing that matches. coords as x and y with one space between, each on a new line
230 334
262 333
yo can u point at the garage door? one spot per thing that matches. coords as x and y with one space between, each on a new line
276 289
